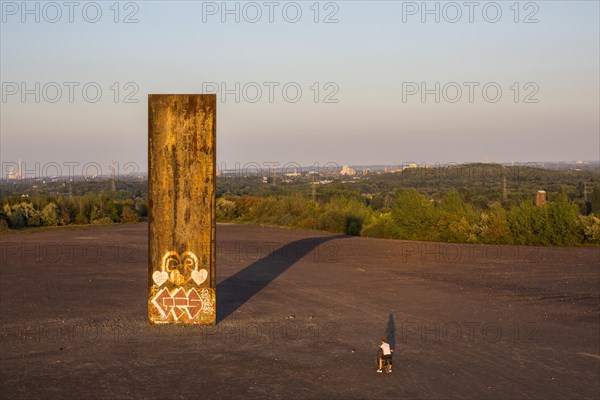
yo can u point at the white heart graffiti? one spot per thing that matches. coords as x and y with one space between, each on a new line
170 269
160 277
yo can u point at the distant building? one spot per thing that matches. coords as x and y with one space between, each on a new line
293 174
11 174
346 170
540 198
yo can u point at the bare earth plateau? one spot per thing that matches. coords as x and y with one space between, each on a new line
300 315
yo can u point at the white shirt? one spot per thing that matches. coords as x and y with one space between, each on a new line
385 348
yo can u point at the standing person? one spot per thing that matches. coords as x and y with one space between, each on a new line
386 354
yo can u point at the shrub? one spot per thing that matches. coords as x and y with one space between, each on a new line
102 221
591 228
353 225
128 216
81 219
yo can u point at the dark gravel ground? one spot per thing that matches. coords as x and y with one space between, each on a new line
300 316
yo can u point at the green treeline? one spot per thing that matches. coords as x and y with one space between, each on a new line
410 216
414 216
476 203
91 208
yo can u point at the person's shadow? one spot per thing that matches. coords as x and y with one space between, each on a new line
236 290
390 332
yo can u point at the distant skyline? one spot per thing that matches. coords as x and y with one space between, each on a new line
68 170
367 72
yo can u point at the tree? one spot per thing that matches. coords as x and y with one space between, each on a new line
543 232
564 221
454 218
520 221
22 214
50 214
497 229
595 200
17 217
379 226
413 216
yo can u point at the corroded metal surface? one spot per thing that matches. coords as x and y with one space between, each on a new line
181 200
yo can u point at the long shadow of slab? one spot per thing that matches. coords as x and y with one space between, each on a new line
236 290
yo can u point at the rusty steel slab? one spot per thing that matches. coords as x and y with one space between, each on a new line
181 201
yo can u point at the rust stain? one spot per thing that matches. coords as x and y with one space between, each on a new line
181 164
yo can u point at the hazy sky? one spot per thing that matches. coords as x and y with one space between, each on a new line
375 61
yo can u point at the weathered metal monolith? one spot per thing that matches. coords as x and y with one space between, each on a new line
181 202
